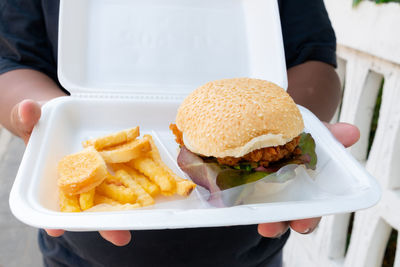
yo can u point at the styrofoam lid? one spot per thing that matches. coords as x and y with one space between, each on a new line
148 46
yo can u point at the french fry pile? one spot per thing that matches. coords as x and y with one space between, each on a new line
138 174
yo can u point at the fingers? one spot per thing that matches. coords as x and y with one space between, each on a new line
24 116
54 232
273 230
118 238
348 135
305 226
345 133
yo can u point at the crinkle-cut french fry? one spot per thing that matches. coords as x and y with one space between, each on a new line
112 180
110 207
100 199
154 152
168 193
183 187
158 175
69 203
113 139
140 174
142 197
86 199
125 152
147 185
120 193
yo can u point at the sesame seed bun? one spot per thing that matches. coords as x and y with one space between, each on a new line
233 117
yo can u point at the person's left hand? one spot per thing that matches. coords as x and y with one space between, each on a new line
346 134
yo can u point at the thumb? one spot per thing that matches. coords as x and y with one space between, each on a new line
345 133
24 116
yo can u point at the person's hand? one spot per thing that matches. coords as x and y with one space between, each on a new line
24 116
116 237
346 134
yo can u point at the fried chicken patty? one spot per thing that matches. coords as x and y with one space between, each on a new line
263 155
177 133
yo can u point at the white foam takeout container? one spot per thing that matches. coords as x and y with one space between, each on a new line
131 62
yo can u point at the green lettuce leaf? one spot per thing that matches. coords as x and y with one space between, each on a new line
216 178
230 177
307 147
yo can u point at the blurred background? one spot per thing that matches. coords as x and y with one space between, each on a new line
369 67
368 53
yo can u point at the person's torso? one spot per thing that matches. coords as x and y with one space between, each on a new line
224 246
239 246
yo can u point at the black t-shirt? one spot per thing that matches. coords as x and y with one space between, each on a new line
28 39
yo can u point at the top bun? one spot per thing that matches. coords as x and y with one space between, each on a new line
233 117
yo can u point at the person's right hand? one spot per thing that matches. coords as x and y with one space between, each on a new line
24 117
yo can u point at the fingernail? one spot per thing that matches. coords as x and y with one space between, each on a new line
307 231
19 113
281 233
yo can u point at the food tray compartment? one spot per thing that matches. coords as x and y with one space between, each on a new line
340 184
